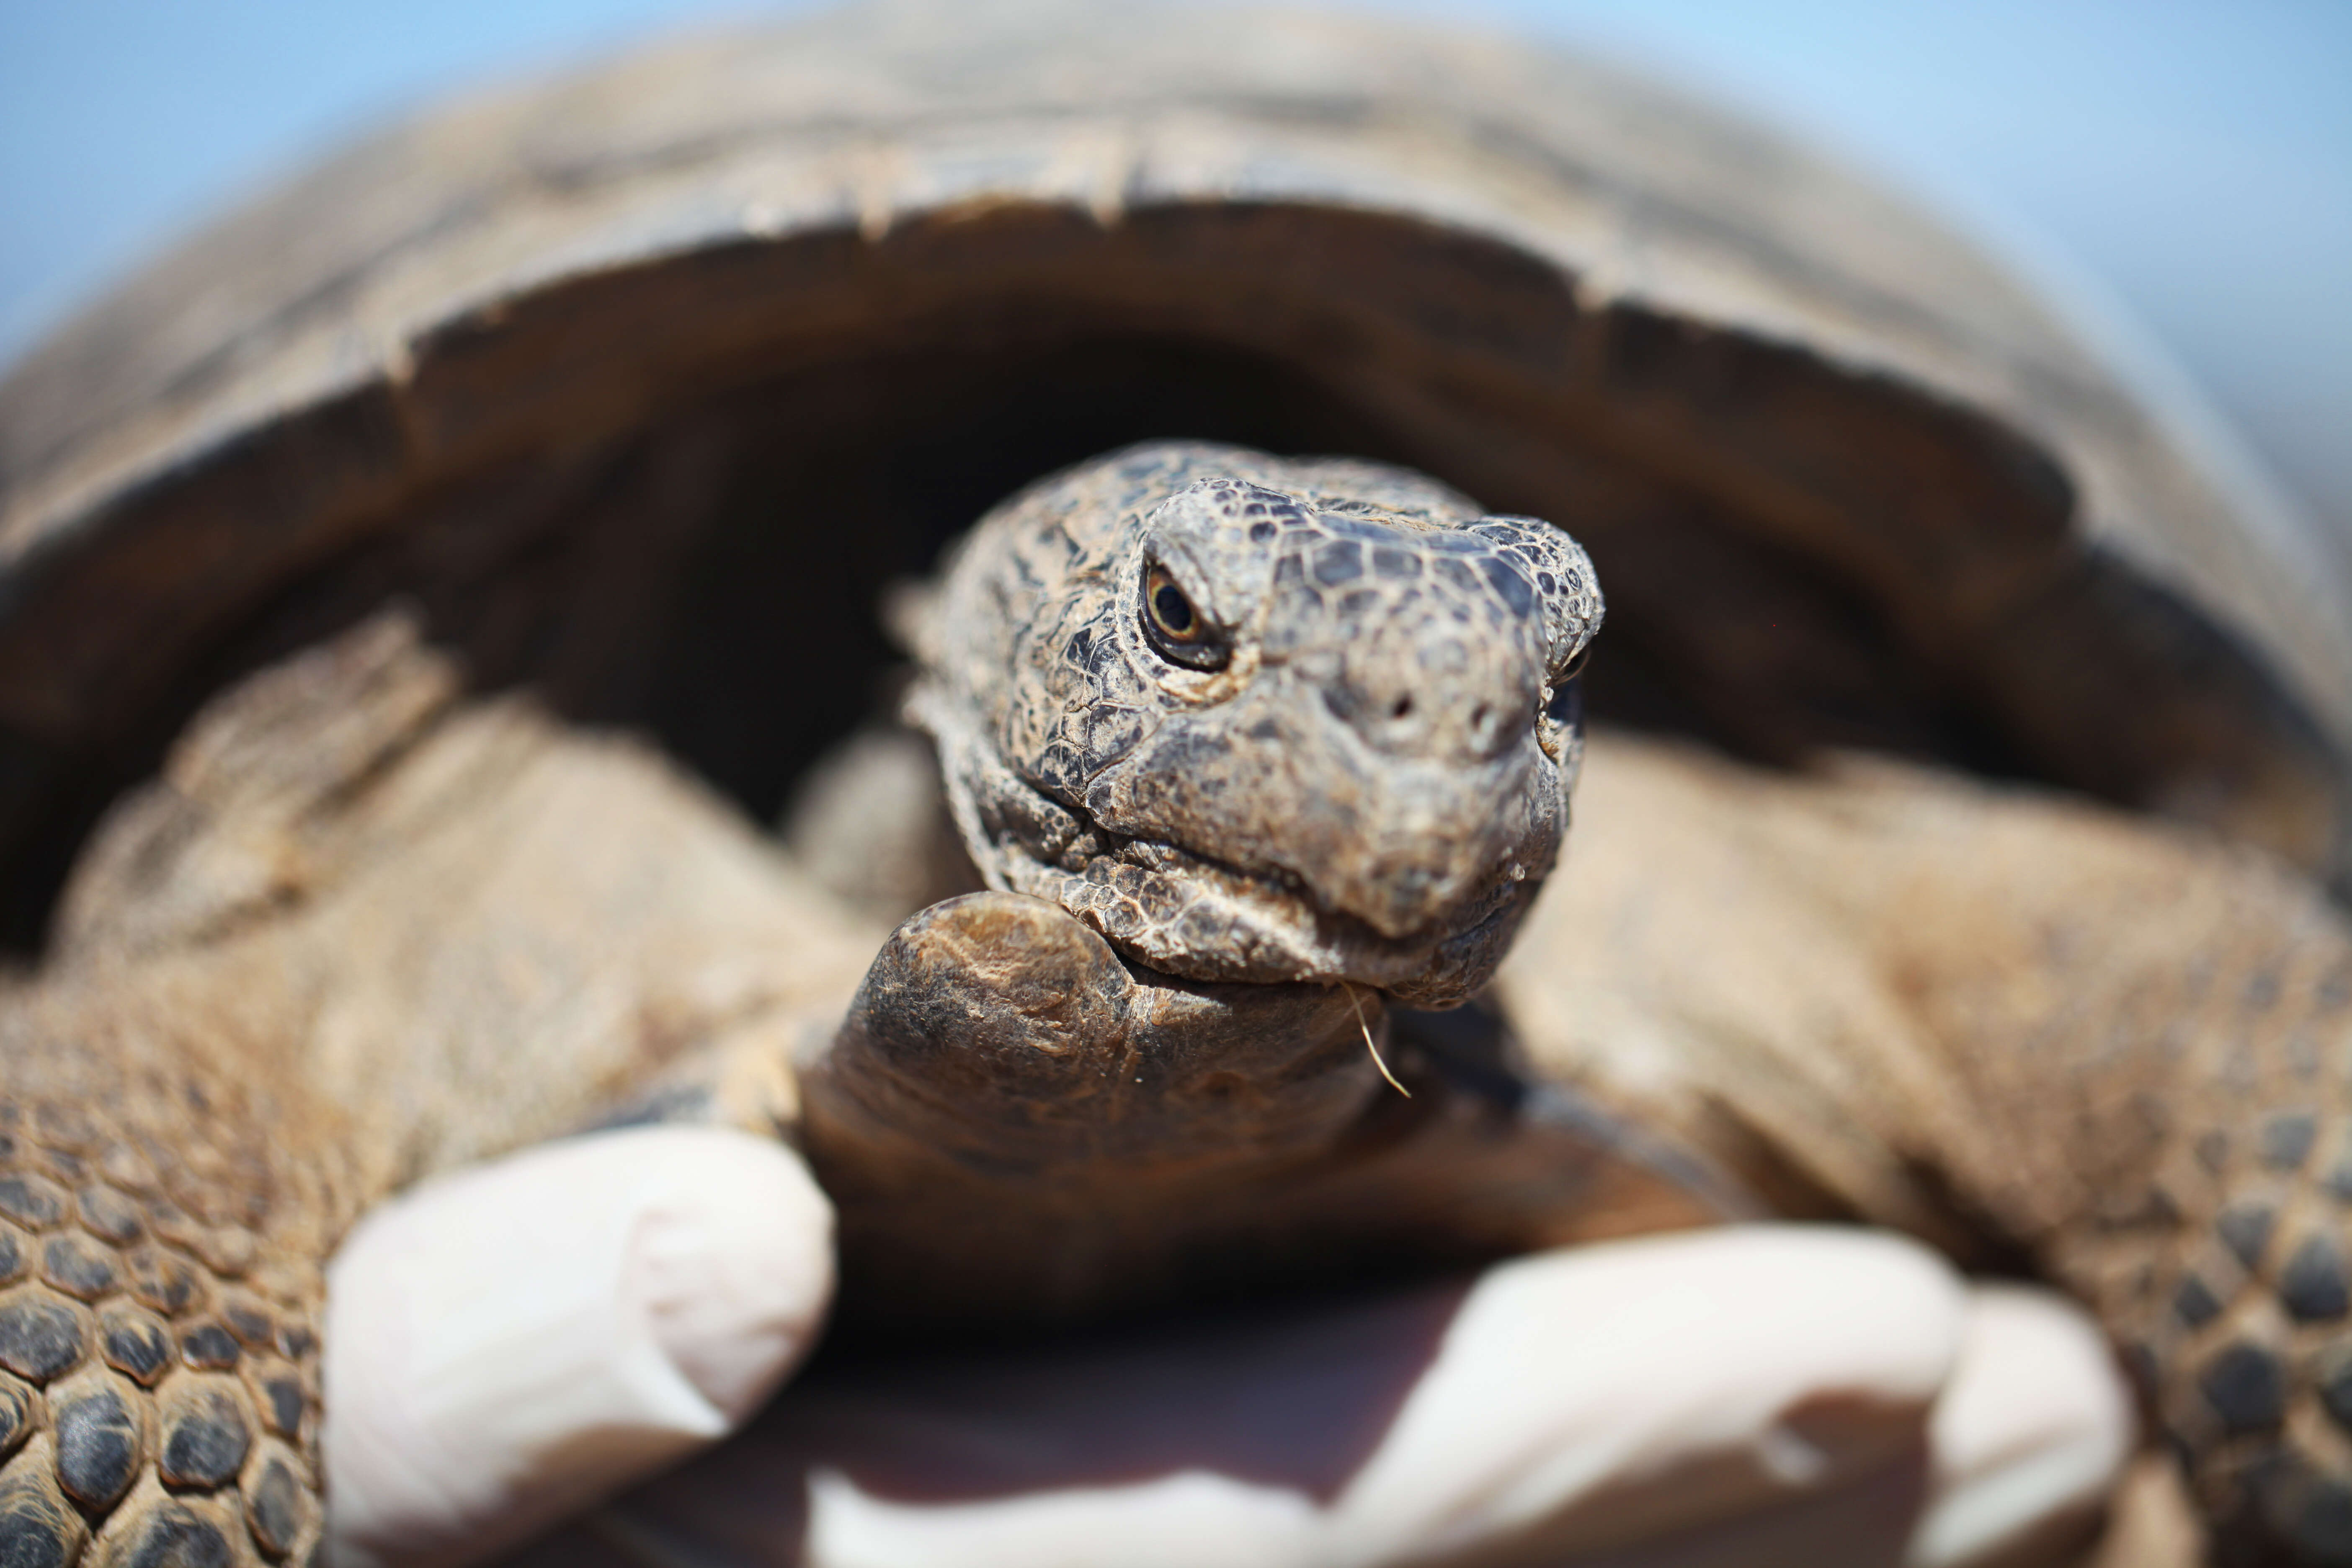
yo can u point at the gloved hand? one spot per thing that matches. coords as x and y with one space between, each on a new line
507 1345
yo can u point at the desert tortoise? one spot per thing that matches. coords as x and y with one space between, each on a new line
636 387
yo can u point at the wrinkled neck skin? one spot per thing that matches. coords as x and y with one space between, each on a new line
1342 751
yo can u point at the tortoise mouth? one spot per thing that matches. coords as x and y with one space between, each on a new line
1189 913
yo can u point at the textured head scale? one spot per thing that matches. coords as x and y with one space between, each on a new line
1257 718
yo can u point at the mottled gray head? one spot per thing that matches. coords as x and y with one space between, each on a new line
1258 718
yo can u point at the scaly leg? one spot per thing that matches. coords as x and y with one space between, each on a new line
2012 1024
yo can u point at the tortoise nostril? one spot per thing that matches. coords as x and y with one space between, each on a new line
1401 707
1478 717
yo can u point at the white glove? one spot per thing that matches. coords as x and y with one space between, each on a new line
507 1345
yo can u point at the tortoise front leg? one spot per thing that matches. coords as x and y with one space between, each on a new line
163 1216
362 930
1017 1123
1014 1125
2028 1029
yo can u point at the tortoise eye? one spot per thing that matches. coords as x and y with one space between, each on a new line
1176 625
1172 612
1172 615
1566 708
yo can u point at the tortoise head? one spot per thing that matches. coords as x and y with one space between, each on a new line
1264 719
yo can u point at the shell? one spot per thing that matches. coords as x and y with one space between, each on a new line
642 382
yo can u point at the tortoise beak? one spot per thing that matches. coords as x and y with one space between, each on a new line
1291 790
1438 848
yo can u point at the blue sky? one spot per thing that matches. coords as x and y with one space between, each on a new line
2190 158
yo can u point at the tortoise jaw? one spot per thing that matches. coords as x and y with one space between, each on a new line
1199 917
1192 915
1401 845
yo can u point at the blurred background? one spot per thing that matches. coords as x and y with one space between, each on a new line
2183 168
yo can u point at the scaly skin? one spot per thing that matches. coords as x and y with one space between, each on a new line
1353 774
1995 1017
362 930
168 1205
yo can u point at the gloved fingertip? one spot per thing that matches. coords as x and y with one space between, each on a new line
2028 1438
735 1273
1630 1391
